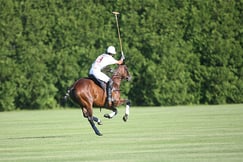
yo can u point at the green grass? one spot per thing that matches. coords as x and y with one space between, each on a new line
152 134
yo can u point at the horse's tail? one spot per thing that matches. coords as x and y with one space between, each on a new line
65 97
69 92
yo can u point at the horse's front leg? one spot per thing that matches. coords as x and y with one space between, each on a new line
127 111
125 117
112 114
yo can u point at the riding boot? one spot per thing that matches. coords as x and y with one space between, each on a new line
109 88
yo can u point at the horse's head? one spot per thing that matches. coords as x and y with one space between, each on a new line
122 72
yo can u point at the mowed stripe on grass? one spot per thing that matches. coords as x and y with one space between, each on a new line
181 133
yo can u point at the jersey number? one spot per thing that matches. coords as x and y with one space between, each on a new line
99 59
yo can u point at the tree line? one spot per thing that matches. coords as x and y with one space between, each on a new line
178 52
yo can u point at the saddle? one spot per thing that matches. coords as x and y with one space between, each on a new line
103 85
99 82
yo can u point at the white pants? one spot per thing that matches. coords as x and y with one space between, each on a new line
99 75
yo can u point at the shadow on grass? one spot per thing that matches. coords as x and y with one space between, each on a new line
37 137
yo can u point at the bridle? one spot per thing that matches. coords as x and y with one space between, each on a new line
117 74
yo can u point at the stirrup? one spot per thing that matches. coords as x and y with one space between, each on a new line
108 105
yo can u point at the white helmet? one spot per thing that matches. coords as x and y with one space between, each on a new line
111 50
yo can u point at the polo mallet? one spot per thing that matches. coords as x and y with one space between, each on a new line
118 31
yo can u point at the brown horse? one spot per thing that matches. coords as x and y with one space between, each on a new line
87 94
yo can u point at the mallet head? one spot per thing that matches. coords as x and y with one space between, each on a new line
116 13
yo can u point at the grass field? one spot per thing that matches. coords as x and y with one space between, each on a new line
152 134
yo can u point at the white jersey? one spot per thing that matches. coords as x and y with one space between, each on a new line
103 61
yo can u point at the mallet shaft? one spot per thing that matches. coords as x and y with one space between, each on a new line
118 31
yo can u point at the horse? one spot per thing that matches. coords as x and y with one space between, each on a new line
88 94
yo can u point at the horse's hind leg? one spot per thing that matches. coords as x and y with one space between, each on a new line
97 120
91 120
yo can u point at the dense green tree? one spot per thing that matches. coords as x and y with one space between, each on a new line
178 52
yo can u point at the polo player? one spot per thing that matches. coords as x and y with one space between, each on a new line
101 62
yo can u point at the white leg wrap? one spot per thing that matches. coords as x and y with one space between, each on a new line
127 109
112 114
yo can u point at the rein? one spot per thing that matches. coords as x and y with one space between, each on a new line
114 77
117 76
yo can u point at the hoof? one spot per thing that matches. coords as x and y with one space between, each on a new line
99 134
125 117
100 123
107 116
